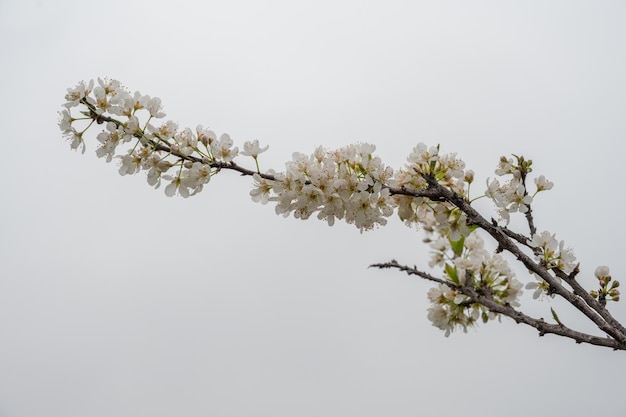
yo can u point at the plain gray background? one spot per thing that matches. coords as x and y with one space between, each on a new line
118 301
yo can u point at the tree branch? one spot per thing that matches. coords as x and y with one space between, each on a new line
367 207
477 296
580 299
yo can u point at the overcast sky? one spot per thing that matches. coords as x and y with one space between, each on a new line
118 301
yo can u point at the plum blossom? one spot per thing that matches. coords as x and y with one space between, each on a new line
131 163
175 185
165 131
450 309
65 122
344 184
110 86
602 272
76 94
262 191
552 253
509 197
422 156
125 104
205 136
543 184
223 148
505 166
154 107
76 139
539 286
470 265
196 176
253 149
102 99
186 142
110 139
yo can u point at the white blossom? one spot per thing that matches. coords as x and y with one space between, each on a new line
131 163
109 140
175 185
542 183
602 272
65 122
154 107
553 253
81 91
539 286
253 149
223 149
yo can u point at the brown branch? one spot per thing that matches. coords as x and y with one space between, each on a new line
590 307
409 270
521 239
543 327
529 219
529 213
579 298
483 298
584 294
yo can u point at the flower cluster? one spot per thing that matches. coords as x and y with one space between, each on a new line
450 309
186 158
468 264
606 292
449 171
348 183
513 196
552 253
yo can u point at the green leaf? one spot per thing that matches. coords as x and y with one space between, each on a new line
452 274
485 317
554 316
457 246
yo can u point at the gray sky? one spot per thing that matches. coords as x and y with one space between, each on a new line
117 301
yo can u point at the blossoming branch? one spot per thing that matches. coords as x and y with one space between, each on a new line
351 184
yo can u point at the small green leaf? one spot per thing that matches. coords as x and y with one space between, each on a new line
485 317
457 246
451 271
554 316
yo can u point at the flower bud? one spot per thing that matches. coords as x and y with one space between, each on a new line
204 138
602 271
164 165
